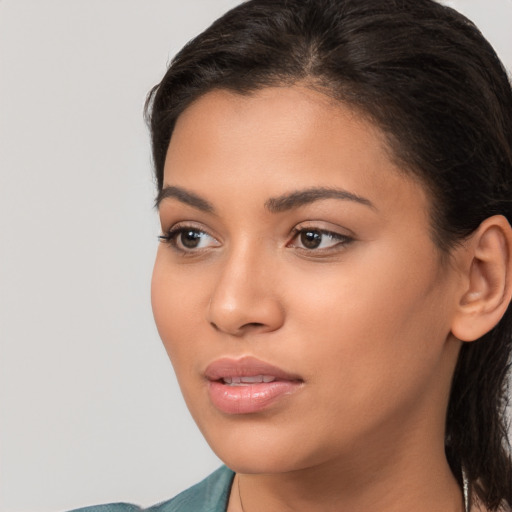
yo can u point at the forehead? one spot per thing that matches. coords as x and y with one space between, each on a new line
281 137
283 121
292 111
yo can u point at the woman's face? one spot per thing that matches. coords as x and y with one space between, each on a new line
299 294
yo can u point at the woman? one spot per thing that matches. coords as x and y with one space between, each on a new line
334 279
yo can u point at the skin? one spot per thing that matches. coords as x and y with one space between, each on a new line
365 321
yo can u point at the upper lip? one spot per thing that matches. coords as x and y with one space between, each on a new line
245 367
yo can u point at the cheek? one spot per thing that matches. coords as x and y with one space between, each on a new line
374 321
176 308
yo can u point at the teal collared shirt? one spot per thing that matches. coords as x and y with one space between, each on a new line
210 495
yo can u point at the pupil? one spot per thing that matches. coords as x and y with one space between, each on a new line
190 239
310 239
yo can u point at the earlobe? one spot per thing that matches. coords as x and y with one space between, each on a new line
488 281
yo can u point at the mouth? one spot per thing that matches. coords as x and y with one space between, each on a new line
248 385
247 381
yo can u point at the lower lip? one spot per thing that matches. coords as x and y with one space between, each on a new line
249 398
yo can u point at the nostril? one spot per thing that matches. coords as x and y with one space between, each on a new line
245 327
253 324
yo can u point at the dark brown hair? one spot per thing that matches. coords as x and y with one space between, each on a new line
427 77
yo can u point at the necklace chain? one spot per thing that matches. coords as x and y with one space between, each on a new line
239 493
465 491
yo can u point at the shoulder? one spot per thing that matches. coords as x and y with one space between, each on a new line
209 495
111 507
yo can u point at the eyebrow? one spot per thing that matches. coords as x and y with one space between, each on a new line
279 204
184 196
299 198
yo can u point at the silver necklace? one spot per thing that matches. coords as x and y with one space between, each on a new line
239 493
465 491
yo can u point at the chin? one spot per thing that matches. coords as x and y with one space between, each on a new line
253 461
254 448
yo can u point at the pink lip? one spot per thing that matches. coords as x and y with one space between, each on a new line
248 397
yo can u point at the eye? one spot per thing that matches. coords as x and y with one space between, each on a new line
188 239
318 239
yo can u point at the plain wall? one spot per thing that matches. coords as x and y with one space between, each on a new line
90 411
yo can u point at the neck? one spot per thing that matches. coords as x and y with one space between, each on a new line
423 483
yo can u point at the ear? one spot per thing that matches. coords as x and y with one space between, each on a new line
487 283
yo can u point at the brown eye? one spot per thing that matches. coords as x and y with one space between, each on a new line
190 238
311 239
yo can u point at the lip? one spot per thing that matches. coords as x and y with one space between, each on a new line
248 398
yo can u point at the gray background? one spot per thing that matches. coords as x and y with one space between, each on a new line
89 408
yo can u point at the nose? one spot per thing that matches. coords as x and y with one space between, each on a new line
245 297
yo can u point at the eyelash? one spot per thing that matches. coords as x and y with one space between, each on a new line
171 239
341 240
